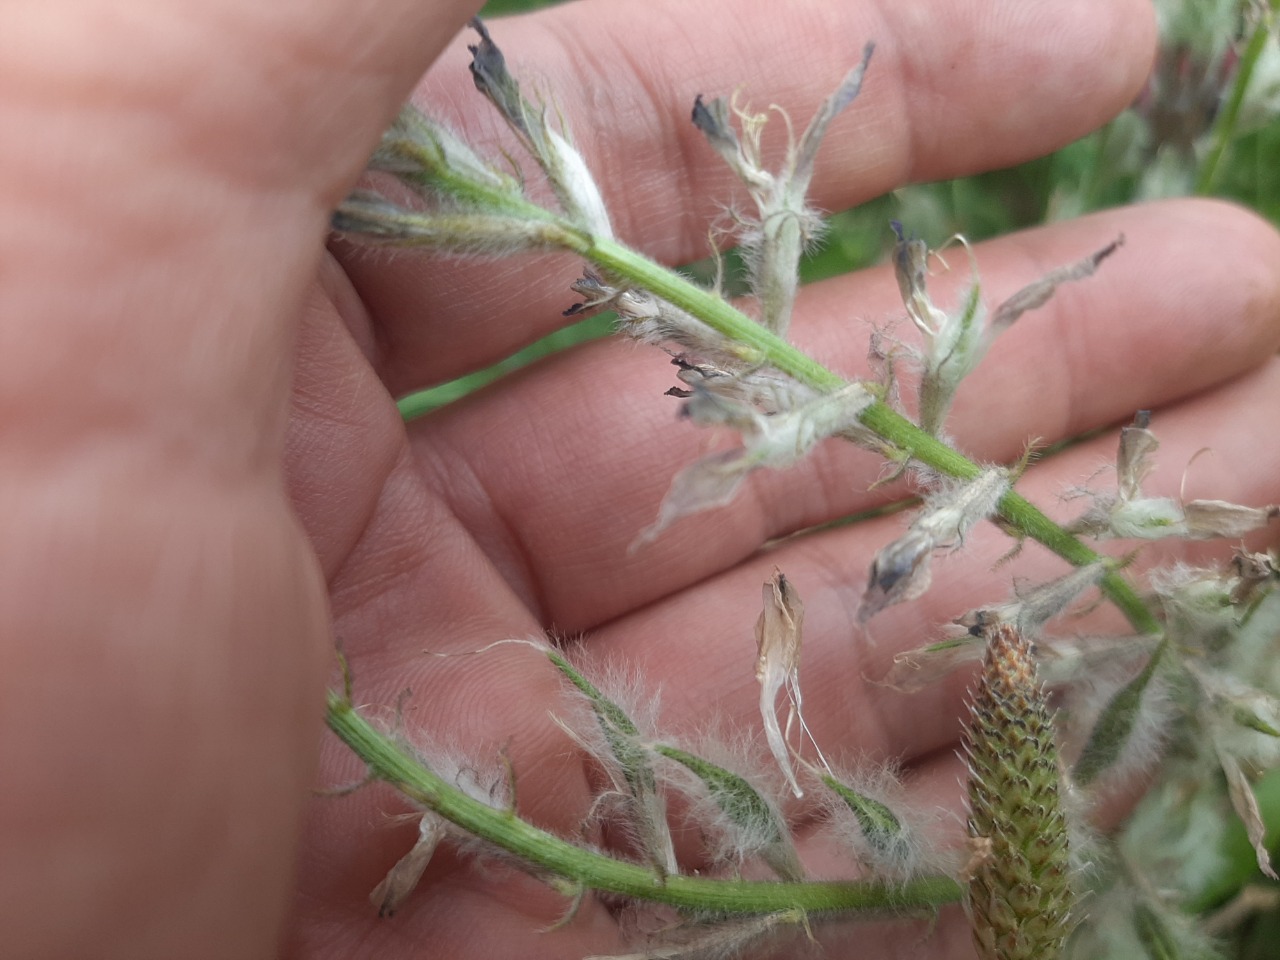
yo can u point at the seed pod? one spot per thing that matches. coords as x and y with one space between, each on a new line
1020 896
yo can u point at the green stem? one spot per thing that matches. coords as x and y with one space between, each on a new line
1225 128
756 344
389 761
1091 189
885 422
708 307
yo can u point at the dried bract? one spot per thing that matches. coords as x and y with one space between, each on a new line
1130 515
399 882
779 632
900 571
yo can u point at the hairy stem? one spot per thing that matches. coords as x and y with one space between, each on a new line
389 761
766 347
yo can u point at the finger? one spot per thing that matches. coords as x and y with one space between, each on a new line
164 185
952 89
558 472
221 136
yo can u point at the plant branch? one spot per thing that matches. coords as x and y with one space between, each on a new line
389 761
767 347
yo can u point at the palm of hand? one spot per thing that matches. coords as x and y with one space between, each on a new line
510 514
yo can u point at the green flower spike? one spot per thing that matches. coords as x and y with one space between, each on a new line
1020 895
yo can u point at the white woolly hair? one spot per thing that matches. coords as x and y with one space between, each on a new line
729 841
620 684
1084 703
912 852
642 815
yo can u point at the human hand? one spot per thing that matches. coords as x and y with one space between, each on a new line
166 616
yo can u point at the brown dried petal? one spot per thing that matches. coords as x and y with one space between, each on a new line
779 631
1037 294
1254 571
1133 463
911 267
1246 807
1217 518
400 880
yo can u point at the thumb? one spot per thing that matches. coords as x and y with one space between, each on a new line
165 174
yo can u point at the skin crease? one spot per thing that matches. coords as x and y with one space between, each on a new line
205 480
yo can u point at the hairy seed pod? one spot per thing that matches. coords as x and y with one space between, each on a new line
1020 894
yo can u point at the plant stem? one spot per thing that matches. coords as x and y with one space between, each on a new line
756 344
389 761
769 348
1225 128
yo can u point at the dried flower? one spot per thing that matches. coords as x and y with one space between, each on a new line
779 631
956 342
772 245
399 882
900 571
776 441
562 164
1128 514
1036 606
